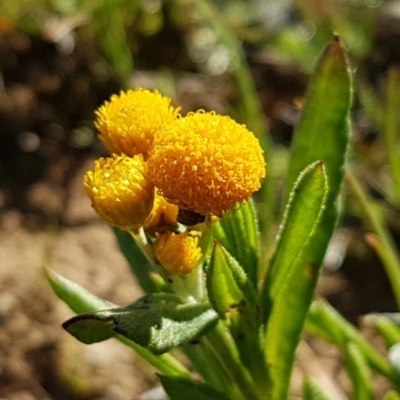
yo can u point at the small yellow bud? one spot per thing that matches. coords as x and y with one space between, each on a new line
163 216
128 122
177 253
120 191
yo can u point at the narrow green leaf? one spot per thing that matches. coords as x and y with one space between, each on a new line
383 242
234 298
179 388
324 321
292 278
391 128
158 322
140 265
392 395
237 232
323 134
359 373
228 286
312 391
80 300
387 328
394 357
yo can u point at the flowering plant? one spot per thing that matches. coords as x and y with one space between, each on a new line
177 190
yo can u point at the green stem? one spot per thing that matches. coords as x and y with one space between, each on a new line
219 342
385 246
252 109
141 240
165 363
208 366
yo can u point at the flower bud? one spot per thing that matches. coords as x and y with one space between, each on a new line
177 253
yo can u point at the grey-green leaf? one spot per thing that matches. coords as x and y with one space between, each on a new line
157 322
91 328
81 300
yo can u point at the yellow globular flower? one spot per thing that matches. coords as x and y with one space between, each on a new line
120 191
177 253
127 123
163 216
206 162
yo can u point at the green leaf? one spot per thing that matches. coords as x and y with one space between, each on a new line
386 327
292 278
324 321
228 285
312 391
394 357
92 328
237 232
158 322
140 265
179 388
81 300
234 298
391 126
359 373
383 243
323 134
392 395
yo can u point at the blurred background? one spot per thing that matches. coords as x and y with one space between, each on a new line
61 59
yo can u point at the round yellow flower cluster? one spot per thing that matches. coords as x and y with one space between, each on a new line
206 163
167 168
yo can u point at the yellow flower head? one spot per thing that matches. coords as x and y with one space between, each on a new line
206 162
177 253
120 191
127 123
163 216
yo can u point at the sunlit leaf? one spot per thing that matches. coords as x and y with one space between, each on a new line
290 284
323 134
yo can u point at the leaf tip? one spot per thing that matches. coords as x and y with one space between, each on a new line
336 49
